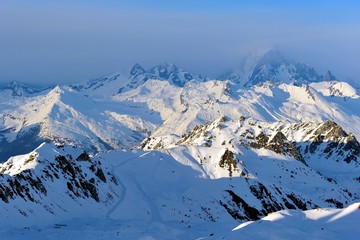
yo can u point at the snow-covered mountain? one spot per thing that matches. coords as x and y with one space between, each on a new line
185 190
157 107
64 116
272 66
121 82
19 89
178 154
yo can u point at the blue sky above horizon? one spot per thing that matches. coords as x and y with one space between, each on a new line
71 41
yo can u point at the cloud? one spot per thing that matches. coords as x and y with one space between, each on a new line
64 43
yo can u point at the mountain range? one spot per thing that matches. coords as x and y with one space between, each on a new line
168 154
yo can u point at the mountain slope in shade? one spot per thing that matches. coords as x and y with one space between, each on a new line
325 223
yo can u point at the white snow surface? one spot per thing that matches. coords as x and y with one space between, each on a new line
294 224
335 89
100 119
319 224
169 195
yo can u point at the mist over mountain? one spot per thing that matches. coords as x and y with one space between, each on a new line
64 43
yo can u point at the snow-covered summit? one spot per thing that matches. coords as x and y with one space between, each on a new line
121 82
163 72
19 89
272 66
136 70
335 89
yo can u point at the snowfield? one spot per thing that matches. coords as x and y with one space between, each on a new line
323 223
170 195
312 224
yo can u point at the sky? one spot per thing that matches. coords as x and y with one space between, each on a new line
58 42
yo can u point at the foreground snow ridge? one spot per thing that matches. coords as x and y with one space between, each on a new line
322 223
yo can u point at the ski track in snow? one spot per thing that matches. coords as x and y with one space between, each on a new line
122 185
155 216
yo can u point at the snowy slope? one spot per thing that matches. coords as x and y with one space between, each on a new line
312 224
325 223
150 193
53 184
228 148
335 89
63 116
198 103
92 114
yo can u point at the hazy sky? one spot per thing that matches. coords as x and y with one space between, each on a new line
69 41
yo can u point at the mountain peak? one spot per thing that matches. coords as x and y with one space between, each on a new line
19 89
57 89
272 57
136 69
164 70
273 67
14 83
329 76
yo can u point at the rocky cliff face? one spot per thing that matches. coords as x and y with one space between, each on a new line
19 89
302 141
327 141
248 149
52 181
164 72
